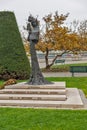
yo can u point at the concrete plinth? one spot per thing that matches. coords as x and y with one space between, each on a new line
41 96
24 85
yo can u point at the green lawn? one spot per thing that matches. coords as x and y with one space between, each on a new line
71 82
1 82
46 119
65 67
42 119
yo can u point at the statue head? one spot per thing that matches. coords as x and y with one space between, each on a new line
33 28
34 22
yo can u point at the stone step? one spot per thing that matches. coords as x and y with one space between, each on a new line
32 97
40 104
24 85
73 101
33 91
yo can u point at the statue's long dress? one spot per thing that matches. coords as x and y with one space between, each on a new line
36 74
36 77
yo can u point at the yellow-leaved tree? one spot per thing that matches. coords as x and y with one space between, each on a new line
82 30
57 37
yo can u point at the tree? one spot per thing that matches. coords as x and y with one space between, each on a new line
27 48
57 37
13 60
82 30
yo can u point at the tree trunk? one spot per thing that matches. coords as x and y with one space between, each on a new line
46 59
36 77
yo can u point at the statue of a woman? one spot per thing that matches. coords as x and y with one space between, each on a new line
36 77
33 28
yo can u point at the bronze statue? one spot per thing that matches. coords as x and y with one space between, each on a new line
36 77
33 28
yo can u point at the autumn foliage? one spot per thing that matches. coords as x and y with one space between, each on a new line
58 37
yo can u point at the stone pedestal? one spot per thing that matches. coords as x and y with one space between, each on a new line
42 96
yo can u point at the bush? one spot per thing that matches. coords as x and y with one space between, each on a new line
10 82
13 60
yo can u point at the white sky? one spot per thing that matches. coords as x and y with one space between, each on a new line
22 8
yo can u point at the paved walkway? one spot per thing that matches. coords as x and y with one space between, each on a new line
63 74
42 62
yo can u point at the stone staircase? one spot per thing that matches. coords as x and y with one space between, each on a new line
39 96
31 96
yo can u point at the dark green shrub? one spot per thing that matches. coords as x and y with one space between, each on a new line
13 60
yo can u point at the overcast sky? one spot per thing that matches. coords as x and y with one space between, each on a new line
22 8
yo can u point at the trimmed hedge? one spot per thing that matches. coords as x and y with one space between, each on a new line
13 60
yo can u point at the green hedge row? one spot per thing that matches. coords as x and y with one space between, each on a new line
13 60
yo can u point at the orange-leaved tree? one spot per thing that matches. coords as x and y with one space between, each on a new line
82 30
57 37
80 27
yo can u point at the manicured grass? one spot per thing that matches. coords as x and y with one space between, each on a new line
65 67
1 82
46 119
73 82
42 119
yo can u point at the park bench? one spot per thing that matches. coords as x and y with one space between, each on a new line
60 61
78 69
